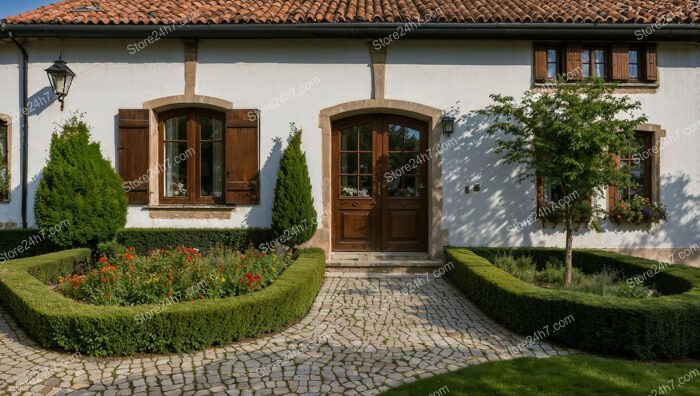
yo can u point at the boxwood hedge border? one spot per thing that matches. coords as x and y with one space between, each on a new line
665 327
58 322
144 239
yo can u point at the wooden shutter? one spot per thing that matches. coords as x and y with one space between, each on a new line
650 69
620 62
540 62
573 62
132 153
242 157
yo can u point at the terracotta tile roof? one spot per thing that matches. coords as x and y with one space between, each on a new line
298 11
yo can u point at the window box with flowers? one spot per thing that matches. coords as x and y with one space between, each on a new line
638 211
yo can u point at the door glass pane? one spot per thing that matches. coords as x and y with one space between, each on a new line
348 163
176 128
366 163
348 139
395 137
397 162
366 137
411 140
365 189
348 186
634 71
211 169
404 186
175 173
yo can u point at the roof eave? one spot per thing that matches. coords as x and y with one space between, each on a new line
512 31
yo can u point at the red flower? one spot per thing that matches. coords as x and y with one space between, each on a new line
107 296
189 258
129 256
222 267
131 268
201 297
102 259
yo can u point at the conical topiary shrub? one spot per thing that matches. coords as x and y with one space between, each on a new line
79 188
293 214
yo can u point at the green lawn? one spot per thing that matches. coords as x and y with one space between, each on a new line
562 375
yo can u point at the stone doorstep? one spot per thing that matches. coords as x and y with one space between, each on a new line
384 263
379 256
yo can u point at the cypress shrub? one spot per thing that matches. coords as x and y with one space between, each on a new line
293 214
79 187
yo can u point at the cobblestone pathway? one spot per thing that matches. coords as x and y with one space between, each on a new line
361 337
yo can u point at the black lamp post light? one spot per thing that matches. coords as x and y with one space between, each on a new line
60 77
448 124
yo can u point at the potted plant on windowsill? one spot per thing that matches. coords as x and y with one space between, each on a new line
638 211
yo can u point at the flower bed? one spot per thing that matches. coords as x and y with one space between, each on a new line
183 273
656 328
55 321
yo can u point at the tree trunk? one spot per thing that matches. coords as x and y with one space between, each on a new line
568 258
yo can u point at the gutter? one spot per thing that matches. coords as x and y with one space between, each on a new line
24 135
369 30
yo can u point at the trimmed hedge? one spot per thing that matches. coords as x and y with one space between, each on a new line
58 322
16 239
656 328
144 239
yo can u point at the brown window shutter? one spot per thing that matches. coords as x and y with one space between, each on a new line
573 62
650 69
242 157
540 62
620 62
132 153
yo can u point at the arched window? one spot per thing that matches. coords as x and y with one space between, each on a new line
191 155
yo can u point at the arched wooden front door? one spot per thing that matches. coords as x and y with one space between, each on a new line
380 179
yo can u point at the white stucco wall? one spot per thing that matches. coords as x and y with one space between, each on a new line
451 75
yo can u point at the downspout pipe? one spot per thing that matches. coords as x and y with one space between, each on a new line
25 126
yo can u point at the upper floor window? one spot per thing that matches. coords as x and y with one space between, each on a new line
593 62
552 63
192 156
4 163
634 63
611 62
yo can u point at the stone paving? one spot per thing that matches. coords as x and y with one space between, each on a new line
361 337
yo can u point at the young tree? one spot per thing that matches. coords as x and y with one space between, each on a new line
81 187
571 134
293 213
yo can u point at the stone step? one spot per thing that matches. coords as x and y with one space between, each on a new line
382 266
379 256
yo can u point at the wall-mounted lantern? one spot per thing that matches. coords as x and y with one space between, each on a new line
60 77
448 124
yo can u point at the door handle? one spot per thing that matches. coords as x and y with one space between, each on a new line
355 204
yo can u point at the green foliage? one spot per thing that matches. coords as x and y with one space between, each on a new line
81 187
638 211
177 275
658 328
59 322
570 134
24 242
606 282
575 375
294 218
145 239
